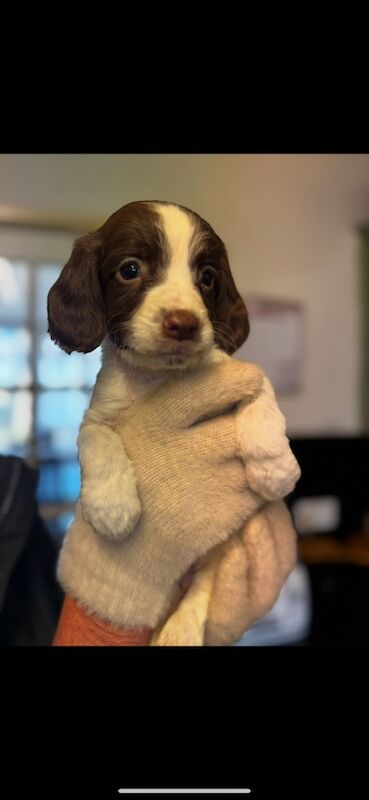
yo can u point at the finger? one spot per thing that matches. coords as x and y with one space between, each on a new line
284 535
228 613
264 575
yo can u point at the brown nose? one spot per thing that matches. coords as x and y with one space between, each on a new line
180 325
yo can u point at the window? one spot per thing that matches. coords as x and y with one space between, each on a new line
43 391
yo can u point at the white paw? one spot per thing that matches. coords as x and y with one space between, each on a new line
273 478
181 630
112 514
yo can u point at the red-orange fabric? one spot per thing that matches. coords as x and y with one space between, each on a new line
78 628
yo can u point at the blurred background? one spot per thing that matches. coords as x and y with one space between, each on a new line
297 230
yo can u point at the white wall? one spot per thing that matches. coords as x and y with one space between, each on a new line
35 245
288 222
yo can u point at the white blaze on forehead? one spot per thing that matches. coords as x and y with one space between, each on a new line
177 290
178 228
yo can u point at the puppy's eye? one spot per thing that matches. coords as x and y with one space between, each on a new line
207 279
130 270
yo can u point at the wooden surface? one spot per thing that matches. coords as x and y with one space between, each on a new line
322 549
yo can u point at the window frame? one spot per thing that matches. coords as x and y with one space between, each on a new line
38 246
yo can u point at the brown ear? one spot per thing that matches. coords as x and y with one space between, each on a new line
231 318
74 304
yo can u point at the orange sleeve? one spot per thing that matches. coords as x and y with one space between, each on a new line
78 628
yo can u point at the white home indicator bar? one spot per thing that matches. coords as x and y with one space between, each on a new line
184 791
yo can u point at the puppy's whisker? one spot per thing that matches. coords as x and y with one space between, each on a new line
120 314
224 327
225 335
113 329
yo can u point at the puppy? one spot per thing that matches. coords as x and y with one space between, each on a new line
153 285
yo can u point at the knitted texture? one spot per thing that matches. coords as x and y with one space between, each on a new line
183 443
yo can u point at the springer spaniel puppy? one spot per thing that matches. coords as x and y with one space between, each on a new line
153 286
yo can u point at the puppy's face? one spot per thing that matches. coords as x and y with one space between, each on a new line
154 279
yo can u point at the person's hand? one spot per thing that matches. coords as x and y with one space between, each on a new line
254 566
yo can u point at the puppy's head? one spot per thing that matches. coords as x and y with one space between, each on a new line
155 280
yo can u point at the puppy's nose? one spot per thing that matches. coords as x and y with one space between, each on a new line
180 325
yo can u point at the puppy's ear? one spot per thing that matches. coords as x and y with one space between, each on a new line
74 304
231 317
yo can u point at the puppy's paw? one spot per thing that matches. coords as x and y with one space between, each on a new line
113 514
182 629
273 478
